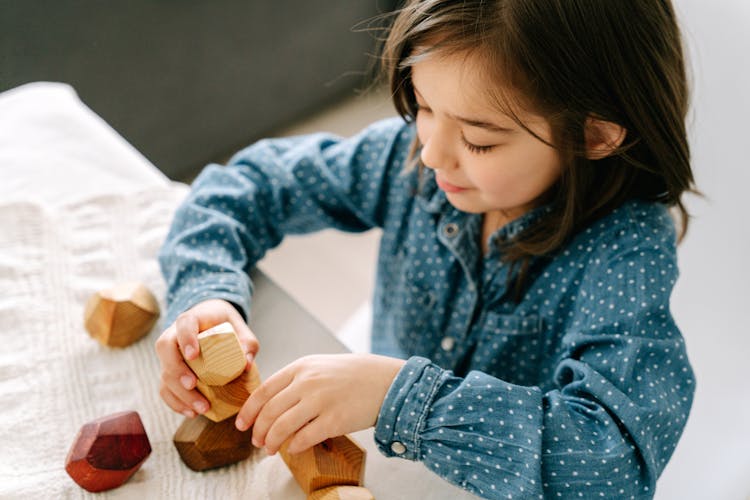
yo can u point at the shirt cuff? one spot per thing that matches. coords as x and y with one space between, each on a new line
198 290
405 407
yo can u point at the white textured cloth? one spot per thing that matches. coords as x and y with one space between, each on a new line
79 211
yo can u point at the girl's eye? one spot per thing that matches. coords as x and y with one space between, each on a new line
423 108
473 148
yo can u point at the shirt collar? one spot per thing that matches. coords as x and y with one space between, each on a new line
516 226
429 195
433 200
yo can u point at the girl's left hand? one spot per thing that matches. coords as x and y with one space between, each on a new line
316 398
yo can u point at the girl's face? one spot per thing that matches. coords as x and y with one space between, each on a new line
483 160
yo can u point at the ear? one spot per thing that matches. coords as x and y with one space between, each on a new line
602 138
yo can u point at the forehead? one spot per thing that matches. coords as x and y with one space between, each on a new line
455 75
462 83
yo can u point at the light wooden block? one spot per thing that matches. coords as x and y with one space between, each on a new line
203 444
336 461
226 400
341 493
119 316
221 357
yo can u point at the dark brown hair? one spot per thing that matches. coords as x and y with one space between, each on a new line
615 60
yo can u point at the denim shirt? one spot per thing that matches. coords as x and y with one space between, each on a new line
580 389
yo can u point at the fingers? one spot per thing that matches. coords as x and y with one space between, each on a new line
174 369
262 395
247 339
285 426
189 403
308 436
206 315
277 407
175 403
187 329
177 380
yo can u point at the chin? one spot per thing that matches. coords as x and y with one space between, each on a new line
464 205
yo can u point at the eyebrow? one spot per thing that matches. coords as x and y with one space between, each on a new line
492 127
481 124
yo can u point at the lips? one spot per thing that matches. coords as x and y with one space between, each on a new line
448 187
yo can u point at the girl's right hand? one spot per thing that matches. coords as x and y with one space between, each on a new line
180 342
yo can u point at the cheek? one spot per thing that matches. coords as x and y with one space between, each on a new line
424 127
520 172
550 167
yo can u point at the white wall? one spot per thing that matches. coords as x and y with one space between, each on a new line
712 297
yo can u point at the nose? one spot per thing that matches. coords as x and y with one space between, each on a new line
436 153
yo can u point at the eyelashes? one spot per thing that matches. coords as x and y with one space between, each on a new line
473 148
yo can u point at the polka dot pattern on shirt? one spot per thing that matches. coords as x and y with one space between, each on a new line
580 390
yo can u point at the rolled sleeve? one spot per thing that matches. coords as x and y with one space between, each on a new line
405 407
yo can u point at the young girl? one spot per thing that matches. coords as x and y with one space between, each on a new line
525 347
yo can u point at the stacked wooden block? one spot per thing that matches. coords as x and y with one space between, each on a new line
211 440
331 470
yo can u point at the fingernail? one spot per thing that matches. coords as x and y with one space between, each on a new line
250 357
189 352
256 443
189 413
240 424
186 381
200 406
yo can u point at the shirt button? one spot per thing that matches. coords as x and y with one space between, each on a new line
447 343
398 448
450 230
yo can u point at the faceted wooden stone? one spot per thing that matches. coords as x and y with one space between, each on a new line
336 461
341 493
203 444
226 400
119 316
221 357
108 451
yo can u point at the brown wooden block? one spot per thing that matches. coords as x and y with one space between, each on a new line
221 357
226 400
119 316
336 461
341 493
203 444
107 451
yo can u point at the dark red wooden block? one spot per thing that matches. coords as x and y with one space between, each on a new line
107 451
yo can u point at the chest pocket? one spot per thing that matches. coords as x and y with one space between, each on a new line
509 347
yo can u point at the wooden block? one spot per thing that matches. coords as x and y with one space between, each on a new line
341 493
221 357
119 316
226 400
336 461
108 451
203 444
